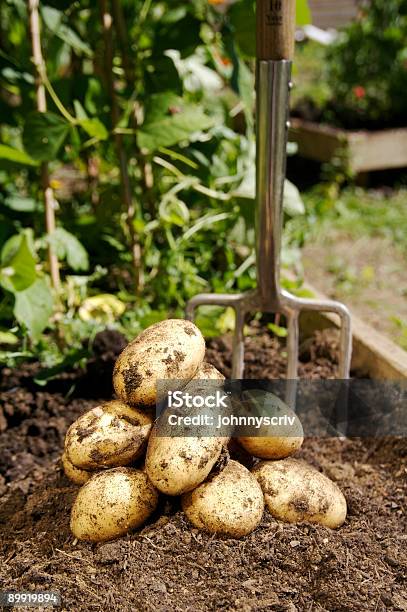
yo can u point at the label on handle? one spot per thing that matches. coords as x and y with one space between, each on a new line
274 14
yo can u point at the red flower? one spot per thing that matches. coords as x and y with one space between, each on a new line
225 61
359 91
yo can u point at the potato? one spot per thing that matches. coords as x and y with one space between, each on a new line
295 492
110 435
112 503
229 503
207 381
177 464
208 372
76 475
171 349
275 442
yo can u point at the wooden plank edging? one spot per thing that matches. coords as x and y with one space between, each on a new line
362 150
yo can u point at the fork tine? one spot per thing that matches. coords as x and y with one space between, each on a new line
345 343
292 344
238 344
292 358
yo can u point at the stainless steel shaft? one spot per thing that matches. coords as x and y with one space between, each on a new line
273 83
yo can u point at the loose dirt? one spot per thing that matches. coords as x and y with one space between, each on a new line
169 565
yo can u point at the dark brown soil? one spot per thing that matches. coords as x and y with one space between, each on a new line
265 356
169 566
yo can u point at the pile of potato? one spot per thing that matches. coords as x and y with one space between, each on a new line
114 452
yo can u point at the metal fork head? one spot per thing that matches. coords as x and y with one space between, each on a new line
246 303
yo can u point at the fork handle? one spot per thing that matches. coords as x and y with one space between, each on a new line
275 29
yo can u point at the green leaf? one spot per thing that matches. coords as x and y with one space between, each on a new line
7 337
20 203
243 19
16 156
68 247
281 332
292 202
94 128
13 244
79 110
72 359
33 307
243 83
15 76
303 13
174 211
44 134
18 264
72 39
169 120
53 20
52 17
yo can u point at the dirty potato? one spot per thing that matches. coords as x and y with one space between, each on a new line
110 435
208 372
280 433
112 503
230 503
75 475
296 492
275 441
179 464
171 349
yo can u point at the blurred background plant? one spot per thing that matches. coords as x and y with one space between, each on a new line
138 127
360 79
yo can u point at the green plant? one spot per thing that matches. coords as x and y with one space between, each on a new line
366 67
131 188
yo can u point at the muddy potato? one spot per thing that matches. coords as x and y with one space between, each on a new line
275 442
112 503
229 503
207 381
281 437
176 464
171 349
109 435
271 447
75 475
208 372
295 492
179 464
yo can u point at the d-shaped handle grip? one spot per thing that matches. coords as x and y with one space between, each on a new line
275 29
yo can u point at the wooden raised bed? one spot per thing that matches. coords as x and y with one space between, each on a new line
331 13
361 151
373 355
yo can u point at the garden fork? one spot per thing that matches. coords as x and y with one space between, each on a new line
275 48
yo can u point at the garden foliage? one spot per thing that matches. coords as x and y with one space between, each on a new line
165 89
363 74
